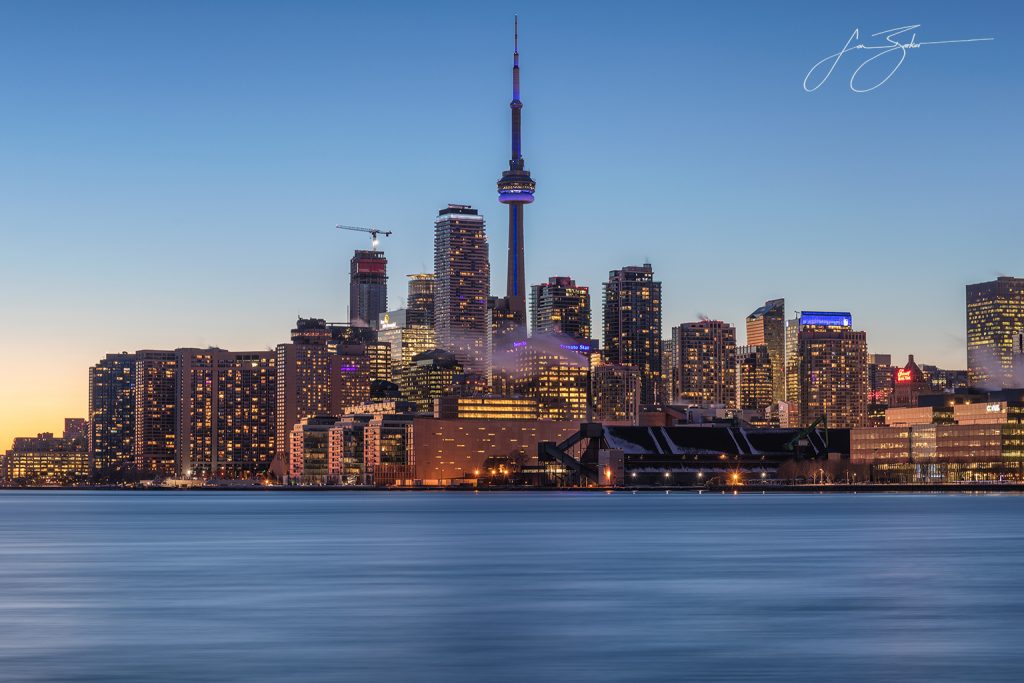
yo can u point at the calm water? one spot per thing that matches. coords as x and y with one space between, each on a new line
509 587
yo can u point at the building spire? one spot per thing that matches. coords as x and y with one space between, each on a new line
515 188
516 104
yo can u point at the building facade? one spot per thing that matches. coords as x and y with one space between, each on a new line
226 412
615 393
766 327
995 333
156 411
462 282
560 306
632 325
909 384
430 375
46 460
485 408
755 385
553 371
112 413
368 287
419 310
972 441
826 370
310 459
706 363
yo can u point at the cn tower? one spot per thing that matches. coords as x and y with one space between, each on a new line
516 189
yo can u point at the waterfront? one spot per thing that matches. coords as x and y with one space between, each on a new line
195 586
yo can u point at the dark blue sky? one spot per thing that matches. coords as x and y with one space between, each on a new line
170 172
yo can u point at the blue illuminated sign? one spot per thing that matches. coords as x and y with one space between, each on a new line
826 318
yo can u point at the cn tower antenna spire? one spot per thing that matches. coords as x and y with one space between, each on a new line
515 188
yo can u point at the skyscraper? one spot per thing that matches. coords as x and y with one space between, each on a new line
826 370
706 352
767 327
112 412
420 304
156 410
632 325
515 188
560 306
995 333
462 283
368 287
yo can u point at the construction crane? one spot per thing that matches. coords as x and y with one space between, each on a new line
373 232
802 435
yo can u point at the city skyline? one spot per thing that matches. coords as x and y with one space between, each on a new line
38 395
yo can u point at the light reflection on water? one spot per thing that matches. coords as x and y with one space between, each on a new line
268 586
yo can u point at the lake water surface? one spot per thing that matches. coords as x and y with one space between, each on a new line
561 586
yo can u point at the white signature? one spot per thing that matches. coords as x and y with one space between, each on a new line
890 46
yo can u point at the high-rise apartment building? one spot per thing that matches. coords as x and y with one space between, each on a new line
669 371
156 411
615 393
767 327
560 306
462 281
368 287
303 383
632 325
112 413
995 333
226 406
826 370
706 362
755 389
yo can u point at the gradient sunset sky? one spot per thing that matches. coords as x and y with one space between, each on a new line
170 172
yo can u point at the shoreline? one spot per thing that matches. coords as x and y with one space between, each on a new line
960 487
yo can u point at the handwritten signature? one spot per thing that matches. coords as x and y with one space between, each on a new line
890 46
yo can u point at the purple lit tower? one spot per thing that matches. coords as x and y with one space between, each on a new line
516 189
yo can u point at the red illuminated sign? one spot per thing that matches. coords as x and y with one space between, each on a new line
903 376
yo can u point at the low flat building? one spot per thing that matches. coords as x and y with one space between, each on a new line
46 459
449 450
697 455
966 441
